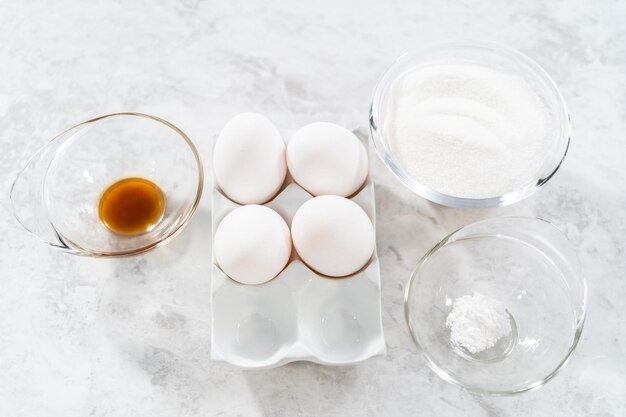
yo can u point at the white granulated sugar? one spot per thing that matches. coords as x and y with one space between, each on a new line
477 322
468 131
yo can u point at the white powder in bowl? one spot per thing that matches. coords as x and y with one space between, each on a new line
477 322
466 130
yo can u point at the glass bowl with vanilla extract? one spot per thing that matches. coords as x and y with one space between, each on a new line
116 185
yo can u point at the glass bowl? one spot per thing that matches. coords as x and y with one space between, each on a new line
56 195
494 56
525 263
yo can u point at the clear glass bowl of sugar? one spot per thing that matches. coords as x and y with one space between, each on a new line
528 267
469 124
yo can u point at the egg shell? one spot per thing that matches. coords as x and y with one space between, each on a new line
333 235
252 244
325 158
249 159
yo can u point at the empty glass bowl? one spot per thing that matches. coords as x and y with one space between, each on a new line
487 54
529 266
56 195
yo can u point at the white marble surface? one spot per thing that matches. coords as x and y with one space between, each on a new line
130 337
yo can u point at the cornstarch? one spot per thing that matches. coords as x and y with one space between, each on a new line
477 322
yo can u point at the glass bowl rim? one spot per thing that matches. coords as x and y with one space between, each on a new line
442 373
496 48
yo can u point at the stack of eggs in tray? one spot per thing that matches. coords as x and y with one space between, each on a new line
295 271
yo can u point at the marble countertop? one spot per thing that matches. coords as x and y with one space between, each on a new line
131 337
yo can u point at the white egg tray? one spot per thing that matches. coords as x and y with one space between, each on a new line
299 315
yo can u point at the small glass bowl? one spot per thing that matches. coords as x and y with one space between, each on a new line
523 262
56 195
488 54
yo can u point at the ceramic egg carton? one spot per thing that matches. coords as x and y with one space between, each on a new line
298 315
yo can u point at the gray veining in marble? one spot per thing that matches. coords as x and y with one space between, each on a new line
131 337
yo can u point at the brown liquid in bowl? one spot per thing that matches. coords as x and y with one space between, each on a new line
131 206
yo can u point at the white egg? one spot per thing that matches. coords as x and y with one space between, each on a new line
333 235
252 244
325 158
249 159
